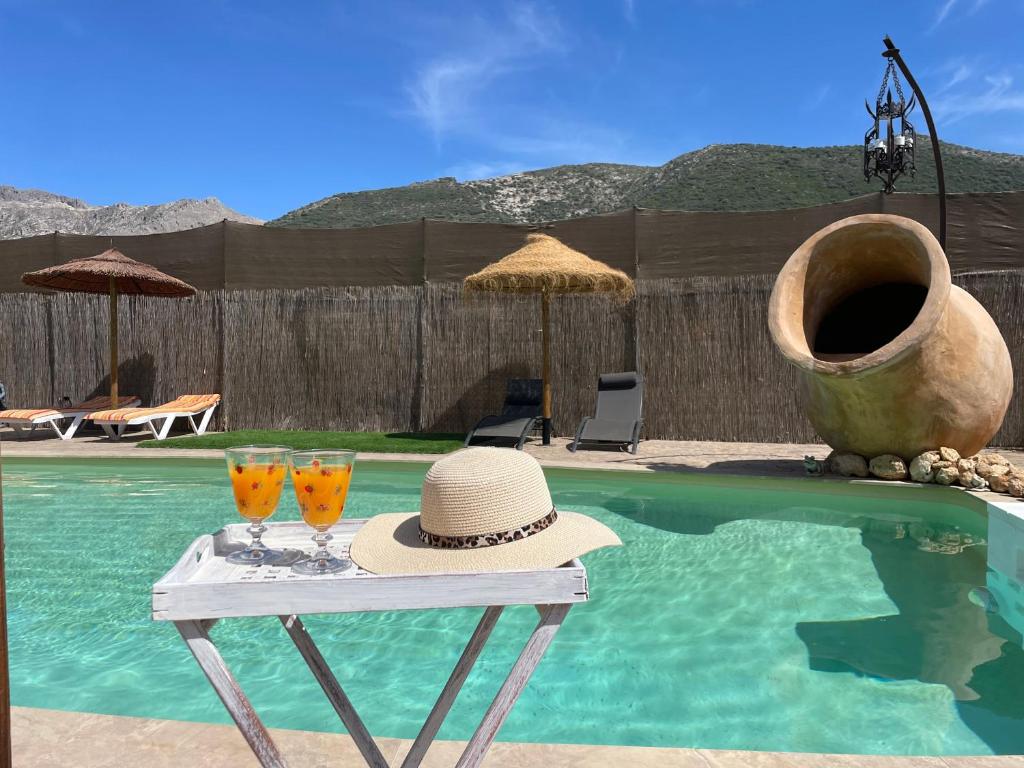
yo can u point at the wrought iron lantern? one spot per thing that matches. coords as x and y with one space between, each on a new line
888 151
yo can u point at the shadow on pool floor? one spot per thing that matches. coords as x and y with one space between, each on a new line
938 636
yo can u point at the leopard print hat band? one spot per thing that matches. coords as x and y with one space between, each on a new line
488 539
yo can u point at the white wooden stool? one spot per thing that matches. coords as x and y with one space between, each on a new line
203 588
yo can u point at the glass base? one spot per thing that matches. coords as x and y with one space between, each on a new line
260 556
313 567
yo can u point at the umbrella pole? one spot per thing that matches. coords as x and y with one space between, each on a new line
546 371
113 342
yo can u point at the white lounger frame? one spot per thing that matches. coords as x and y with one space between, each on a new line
158 423
53 421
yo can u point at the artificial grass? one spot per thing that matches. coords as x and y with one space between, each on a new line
372 442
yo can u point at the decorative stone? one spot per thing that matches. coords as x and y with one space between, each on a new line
892 357
979 483
1015 485
888 467
987 464
921 467
949 454
940 464
946 475
848 464
993 470
999 483
991 458
970 479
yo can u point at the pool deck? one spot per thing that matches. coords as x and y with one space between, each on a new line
753 459
52 738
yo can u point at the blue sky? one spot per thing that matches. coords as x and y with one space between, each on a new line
271 105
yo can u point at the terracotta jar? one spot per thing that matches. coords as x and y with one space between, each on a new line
893 357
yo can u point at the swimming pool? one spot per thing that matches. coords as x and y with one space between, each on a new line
771 615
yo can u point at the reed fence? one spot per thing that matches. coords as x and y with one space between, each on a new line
428 358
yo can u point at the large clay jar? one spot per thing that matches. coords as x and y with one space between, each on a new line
893 358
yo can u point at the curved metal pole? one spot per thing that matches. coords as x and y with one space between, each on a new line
892 52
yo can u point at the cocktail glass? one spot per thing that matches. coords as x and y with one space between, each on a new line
257 478
321 480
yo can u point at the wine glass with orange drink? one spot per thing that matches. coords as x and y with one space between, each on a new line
257 479
321 479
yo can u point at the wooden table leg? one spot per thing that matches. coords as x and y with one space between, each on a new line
549 624
335 694
236 702
451 689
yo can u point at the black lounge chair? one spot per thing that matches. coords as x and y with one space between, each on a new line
520 415
620 401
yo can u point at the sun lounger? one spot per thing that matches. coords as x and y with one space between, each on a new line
160 418
619 417
520 415
22 418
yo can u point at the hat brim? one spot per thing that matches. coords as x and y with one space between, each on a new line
390 544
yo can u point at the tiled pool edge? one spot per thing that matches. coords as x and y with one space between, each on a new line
55 738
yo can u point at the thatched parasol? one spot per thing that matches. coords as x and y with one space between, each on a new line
547 266
114 273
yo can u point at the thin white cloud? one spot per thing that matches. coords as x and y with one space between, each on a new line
470 91
444 91
940 17
816 99
978 5
998 95
629 11
962 73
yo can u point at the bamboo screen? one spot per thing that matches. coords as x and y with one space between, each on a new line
408 358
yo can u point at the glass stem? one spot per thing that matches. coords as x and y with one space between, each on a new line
256 529
321 538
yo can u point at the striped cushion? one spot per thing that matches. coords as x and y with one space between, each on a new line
29 414
190 404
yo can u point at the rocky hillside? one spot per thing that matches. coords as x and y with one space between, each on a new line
721 177
27 212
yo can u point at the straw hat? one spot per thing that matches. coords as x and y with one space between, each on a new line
482 509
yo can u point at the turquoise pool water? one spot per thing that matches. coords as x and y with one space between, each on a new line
740 614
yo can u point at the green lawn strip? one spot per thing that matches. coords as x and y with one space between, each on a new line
371 442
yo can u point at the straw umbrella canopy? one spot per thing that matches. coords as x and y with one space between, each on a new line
113 273
547 266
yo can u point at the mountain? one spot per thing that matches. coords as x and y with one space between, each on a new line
721 177
27 212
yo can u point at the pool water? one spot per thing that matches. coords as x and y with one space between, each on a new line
770 615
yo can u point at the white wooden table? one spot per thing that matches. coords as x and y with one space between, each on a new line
203 588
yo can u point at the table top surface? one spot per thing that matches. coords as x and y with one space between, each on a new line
203 585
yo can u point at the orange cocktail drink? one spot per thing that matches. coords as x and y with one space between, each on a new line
321 480
257 475
257 489
321 489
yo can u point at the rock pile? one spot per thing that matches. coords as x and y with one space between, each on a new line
944 466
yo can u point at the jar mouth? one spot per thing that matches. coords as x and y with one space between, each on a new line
859 293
